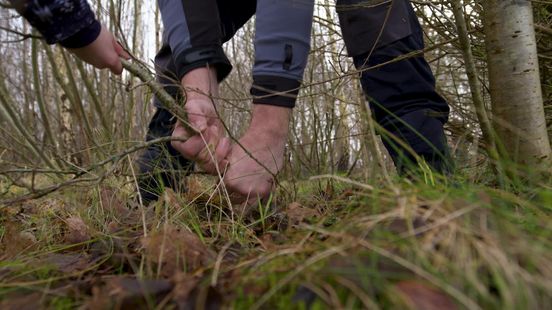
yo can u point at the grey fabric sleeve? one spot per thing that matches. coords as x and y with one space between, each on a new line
282 45
193 32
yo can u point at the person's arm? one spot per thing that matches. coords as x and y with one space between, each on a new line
192 30
73 25
282 45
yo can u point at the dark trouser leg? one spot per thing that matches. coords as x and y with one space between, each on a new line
160 165
404 102
402 94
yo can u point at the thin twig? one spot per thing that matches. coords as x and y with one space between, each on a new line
166 100
77 178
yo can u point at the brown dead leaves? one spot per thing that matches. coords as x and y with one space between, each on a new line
22 302
173 250
77 230
128 293
110 199
420 296
68 262
297 213
14 241
182 291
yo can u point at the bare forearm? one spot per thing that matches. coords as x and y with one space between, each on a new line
201 83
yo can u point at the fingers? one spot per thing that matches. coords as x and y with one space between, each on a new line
207 148
189 148
214 152
244 190
103 52
120 50
213 157
197 118
222 152
206 144
116 67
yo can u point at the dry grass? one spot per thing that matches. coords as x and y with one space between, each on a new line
326 244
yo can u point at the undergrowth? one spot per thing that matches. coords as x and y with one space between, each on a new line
317 244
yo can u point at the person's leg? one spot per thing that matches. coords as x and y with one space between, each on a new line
234 14
161 165
402 93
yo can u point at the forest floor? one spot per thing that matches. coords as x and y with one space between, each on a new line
323 243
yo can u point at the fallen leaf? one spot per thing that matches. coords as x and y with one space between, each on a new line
329 192
128 293
184 284
111 200
98 300
13 242
68 263
77 230
297 213
27 236
23 302
420 296
202 297
176 250
195 188
113 227
266 241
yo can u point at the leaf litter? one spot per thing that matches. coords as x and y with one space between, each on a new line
173 249
178 261
77 230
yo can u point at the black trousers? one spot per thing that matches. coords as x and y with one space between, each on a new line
402 94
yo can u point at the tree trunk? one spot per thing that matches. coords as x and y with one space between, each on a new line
518 113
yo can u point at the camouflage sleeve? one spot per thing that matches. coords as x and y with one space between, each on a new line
68 22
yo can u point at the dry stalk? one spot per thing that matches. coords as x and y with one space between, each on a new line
167 101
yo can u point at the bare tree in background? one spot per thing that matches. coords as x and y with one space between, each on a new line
59 116
514 76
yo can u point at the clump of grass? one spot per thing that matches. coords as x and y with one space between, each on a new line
469 245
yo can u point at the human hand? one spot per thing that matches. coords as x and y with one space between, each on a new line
259 155
104 52
251 170
207 146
